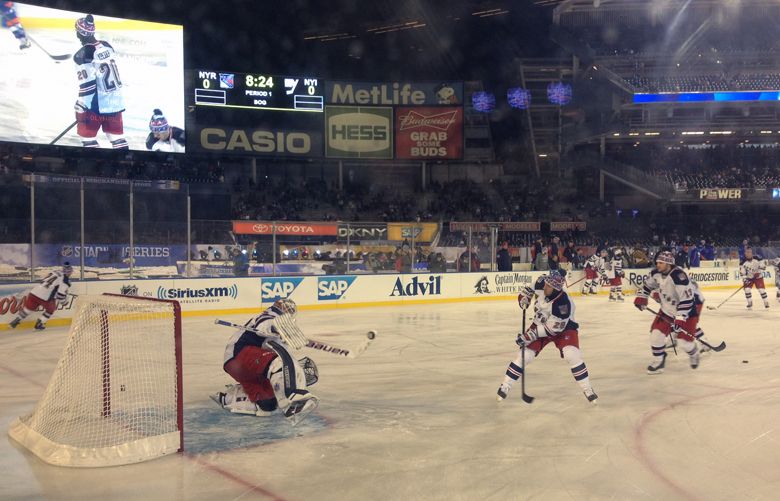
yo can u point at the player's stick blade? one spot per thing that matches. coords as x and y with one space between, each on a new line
527 398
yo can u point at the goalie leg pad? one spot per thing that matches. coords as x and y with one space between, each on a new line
286 375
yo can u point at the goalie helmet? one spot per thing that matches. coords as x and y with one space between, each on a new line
286 306
67 269
665 257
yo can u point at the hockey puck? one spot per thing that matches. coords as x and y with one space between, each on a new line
371 334
744 361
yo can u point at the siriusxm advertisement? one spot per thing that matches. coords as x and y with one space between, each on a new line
84 80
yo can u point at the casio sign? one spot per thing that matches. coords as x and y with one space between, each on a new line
255 141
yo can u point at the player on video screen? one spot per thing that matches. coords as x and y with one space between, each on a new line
11 21
164 137
100 103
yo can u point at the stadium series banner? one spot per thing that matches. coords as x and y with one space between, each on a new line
429 133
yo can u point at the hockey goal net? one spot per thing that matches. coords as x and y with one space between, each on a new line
116 394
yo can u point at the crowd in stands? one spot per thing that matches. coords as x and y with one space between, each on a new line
705 83
713 166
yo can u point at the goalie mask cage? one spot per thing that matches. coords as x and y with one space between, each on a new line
116 394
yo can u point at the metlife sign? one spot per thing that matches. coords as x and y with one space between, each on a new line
333 288
359 132
272 289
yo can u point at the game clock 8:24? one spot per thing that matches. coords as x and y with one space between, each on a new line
259 81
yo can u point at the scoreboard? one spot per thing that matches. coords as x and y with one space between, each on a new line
259 91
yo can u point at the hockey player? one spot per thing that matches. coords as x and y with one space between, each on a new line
553 323
164 137
528 294
51 291
11 20
679 311
612 272
592 267
751 270
776 264
100 103
269 376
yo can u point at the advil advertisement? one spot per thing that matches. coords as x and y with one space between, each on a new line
429 133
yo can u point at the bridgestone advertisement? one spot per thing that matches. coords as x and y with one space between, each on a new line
359 132
429 133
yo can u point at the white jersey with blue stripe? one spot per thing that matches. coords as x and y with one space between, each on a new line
100 86
676 291
262 323
554 314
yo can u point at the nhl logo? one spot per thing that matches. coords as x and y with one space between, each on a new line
129 290
66 251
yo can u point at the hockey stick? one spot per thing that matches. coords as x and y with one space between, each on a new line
526 397
575 283
61 57
720 347
63 132
731 296
312 343
658 314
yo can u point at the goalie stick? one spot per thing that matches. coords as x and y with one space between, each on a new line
720 347
311 343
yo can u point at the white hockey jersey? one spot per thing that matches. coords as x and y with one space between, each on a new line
100 86
264 323
595 262
554 314
54 286
677 292
175 144
752 268
612 268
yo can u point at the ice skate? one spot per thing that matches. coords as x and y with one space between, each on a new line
301 405
611 298
694 359
14 323
236 401
39 325
656 366
621 298
24 43
503 390
591 395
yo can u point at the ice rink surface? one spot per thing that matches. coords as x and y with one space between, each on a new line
415 417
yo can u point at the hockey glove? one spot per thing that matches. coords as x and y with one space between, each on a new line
80 110
747 283
528 337
640 303
524 298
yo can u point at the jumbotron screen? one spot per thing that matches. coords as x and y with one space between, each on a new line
85 80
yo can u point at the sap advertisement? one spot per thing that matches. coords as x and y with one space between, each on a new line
85 80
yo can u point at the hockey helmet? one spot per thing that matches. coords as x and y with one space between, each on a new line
554 280
618 252
158 123
67 269
286 306
665 257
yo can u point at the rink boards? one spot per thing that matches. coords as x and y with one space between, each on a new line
249 295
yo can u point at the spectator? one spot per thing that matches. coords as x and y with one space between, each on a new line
707 251
503 258
553 259
467 258
694 256
570 254
681 258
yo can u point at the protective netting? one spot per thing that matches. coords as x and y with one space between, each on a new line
113 398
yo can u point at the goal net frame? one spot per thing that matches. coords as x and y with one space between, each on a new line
148 445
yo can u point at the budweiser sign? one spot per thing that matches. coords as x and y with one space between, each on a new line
440 121
429 133
284 228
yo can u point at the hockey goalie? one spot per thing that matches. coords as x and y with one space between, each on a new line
269 378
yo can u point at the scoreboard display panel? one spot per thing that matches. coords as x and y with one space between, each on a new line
259 91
